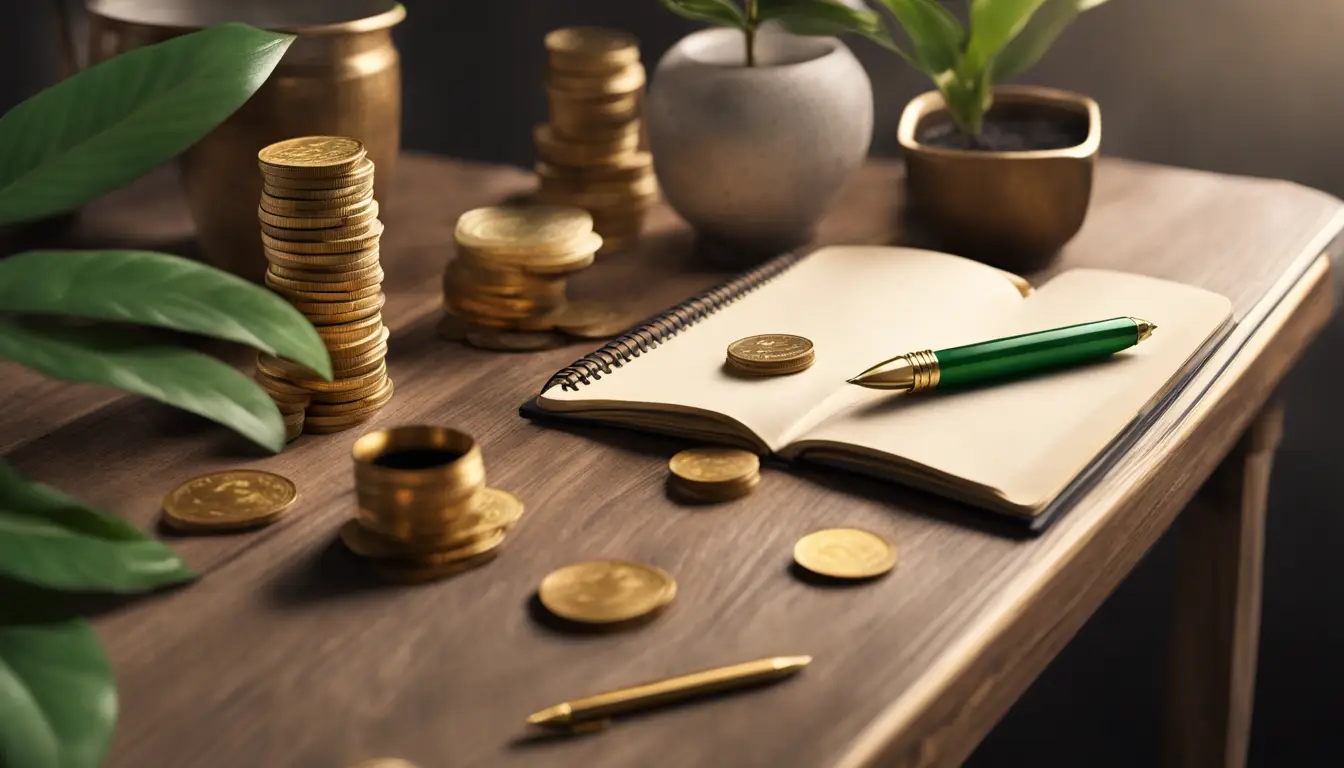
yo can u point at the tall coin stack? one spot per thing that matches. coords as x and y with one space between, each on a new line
320 229
424 509
507 284
588 154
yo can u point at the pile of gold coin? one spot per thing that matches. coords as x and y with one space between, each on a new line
713 474
424 509
845 553
232 500
608 593
588 154
506 290
320 229
771 354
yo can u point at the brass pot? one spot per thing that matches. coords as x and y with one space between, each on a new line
341 77
1014 210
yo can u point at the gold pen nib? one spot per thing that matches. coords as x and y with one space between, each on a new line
896 373
791 663
557 715
1144 327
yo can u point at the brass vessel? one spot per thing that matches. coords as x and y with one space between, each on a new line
342 77
417 482
1014 210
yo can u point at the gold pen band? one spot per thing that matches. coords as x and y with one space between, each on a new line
927 372
911 372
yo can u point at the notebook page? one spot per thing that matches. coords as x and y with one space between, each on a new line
1027 439
858 304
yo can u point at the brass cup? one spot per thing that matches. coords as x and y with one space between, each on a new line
405 490
341 77
1014 210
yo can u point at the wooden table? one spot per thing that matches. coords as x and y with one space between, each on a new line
287 653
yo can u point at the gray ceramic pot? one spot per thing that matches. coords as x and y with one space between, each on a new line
753 156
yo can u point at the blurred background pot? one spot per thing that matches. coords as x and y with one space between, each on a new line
753 156
1013 209
342 76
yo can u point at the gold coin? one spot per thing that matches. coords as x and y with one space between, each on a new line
572 153
341 333
605 204
361 173
340 263
354 244
711 494
346 317
412 573
338 307
352 348
502 341
372 273
624 133
619 108
761 371
282 398
373 402
375 357
317 222
278 385
300 376
592 320
606 591
317 235
627 167
229 501
334 197
845 553
496 511
330 429
585 49
612 245
769 350
714 465
523 230
374 383
625 80
582 260
352 294
344 206
641 183
312 155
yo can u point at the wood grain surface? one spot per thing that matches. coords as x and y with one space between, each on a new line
286 653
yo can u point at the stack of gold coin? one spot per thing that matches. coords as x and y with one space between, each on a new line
588 154
424 509
771 354
707 475
506 288
320 229
609 593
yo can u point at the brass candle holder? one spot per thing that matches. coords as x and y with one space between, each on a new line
424 509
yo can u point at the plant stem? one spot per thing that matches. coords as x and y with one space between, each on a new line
751 33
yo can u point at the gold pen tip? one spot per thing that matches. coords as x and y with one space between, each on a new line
792 662
1144 328
556 715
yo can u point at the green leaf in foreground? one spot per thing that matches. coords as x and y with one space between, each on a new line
109 124
57 542
721 12
825 17
58 705
179 377
161 290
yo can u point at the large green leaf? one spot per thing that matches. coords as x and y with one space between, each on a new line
58 704
825 17
721 12
108 125
934 32
993 24
57 542
163 290
1023 51
179 377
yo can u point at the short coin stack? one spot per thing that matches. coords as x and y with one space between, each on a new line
424 510
320 229
771 354
506 288
589 151
713 474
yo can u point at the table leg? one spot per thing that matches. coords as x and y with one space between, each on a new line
1217 627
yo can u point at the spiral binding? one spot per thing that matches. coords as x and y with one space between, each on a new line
658 329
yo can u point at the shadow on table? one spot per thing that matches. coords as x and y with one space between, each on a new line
328 573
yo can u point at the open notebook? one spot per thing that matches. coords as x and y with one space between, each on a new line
1011 448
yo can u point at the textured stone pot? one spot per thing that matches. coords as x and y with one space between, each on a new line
1014 210
753 156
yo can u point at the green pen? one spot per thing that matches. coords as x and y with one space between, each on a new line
1004 359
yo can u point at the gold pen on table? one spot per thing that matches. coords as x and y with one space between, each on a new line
672 689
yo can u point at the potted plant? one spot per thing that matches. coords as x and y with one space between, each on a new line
999 173
754 129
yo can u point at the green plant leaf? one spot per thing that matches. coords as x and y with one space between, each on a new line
824 17
162 290
179 377
993 24
58 702
1023 51
54 541
721 12
935 34
108 125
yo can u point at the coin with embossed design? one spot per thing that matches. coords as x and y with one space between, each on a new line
229 501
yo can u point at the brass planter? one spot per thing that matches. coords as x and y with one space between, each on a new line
342 77
1014 210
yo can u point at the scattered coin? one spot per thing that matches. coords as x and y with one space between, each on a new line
229 501
713 474
845 553
771 354
606 591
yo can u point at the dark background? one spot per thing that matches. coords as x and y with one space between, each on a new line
1236 86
